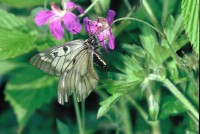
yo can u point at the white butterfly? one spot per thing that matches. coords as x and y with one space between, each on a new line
73 63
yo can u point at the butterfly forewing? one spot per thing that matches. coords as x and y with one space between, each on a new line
56 59
73 62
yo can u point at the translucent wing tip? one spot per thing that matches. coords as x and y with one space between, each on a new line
62 98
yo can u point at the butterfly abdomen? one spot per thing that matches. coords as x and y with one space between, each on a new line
99 61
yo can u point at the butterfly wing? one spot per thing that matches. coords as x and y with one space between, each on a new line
82 78
54 60
73 62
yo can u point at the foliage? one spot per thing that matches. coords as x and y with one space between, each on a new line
137 93
190 11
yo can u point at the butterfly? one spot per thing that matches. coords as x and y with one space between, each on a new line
72 62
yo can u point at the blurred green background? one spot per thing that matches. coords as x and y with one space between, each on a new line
137 94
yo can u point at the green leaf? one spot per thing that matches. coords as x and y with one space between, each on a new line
102 6
6 66
14 43
106 105
148 40
10 21
28 90
171 107
173 28
190 12
25 3
62 128
192 126
134 49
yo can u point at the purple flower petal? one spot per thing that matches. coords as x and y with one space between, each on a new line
56 28
43 17
72 23
80 9
70 5
86 22
111 41
55 8
91 27
101 38
110 16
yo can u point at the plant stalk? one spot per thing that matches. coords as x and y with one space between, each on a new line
89 8
83 114
78 116
172 88
138 20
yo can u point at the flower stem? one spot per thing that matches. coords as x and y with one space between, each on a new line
45 4
138 108
128 5
89 8
126 117
154 125
177 94
78 116
149 12
181 97
83 114
138 20
181 63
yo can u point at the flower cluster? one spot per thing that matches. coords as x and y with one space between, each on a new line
57 18
101 27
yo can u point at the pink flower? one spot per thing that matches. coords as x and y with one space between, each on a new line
56 16
101 28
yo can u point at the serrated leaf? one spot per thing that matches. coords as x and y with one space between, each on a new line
27 91
190 12
171 107
134 49
173 28
62 128
14 43
10 21
106 105
148 40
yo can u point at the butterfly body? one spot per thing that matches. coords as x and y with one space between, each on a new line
73 63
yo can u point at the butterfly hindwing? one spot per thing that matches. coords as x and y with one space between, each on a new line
82 78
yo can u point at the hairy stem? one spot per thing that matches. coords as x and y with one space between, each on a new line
149 12
173 89
154 125
181 63
126 117
78 116
138 108
138 20
83 114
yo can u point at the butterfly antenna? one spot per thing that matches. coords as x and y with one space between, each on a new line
75 31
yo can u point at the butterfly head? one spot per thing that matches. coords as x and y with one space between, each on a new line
92 41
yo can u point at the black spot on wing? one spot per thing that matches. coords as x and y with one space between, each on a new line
74 60
65 49
55 54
